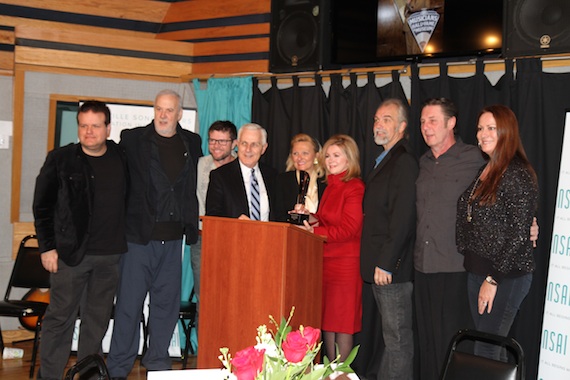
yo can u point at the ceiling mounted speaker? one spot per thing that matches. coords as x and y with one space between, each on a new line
300 35
536 27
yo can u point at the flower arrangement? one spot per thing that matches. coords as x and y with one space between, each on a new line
283 355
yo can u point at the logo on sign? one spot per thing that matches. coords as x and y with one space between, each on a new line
422 24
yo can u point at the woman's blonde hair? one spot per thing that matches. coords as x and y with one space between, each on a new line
303 137
350 149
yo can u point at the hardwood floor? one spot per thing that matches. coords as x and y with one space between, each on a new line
18 369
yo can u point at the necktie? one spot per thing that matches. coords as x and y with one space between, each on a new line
254 201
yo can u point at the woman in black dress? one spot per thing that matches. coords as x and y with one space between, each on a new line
304 155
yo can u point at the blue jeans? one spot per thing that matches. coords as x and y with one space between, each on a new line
510 294
394 303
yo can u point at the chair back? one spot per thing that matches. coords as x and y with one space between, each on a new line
466 366
28 271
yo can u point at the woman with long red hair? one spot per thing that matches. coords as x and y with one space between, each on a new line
494 215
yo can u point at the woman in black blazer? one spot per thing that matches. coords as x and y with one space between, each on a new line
304 155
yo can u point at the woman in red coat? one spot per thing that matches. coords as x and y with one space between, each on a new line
339 219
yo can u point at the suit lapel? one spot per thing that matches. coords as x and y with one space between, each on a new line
378 168
238 183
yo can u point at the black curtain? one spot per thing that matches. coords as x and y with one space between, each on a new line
538 99
288 111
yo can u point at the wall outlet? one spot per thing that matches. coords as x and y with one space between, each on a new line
4 142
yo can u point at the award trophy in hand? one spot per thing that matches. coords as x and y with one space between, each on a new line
298 215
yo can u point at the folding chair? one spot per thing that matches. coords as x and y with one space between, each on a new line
465 366
28 273
187 318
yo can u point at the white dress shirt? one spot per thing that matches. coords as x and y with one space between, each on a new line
264 201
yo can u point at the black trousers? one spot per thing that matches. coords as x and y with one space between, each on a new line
442 308
95 281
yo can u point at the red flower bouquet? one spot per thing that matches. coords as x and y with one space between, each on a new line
283 355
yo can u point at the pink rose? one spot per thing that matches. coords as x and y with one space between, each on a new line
248 363
295 347
312 336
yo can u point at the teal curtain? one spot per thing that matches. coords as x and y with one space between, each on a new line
223 99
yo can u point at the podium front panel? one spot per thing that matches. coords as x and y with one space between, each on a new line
251 270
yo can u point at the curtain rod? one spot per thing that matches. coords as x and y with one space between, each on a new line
303 74
403 69
359 71
472 61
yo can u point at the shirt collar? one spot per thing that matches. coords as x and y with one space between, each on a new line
454 151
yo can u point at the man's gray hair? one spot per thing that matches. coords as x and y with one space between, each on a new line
402 109
170 93
254 127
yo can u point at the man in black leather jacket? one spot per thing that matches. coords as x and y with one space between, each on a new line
79 205
162 207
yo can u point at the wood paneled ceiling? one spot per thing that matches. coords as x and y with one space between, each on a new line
190 36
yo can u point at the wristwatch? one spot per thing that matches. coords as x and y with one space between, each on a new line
491 280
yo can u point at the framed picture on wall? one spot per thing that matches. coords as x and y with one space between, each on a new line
124 115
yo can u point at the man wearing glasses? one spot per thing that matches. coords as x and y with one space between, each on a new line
243 188
222 140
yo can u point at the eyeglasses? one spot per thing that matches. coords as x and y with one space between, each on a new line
219 142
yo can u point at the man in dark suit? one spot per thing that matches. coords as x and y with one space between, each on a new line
386 254
231 186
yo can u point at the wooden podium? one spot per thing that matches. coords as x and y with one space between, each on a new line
251 270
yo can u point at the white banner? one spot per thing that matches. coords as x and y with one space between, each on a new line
124 116
554 349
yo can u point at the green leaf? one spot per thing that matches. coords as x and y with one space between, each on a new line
350 358
316 374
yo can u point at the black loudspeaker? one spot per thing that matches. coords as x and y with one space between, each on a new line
536 27
300 35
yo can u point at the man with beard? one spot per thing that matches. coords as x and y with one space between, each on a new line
386 253
161 208
222 141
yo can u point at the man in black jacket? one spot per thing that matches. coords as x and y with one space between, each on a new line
79 205
386 253
230 189
162 207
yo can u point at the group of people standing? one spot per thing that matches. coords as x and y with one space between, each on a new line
110 220
457 222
